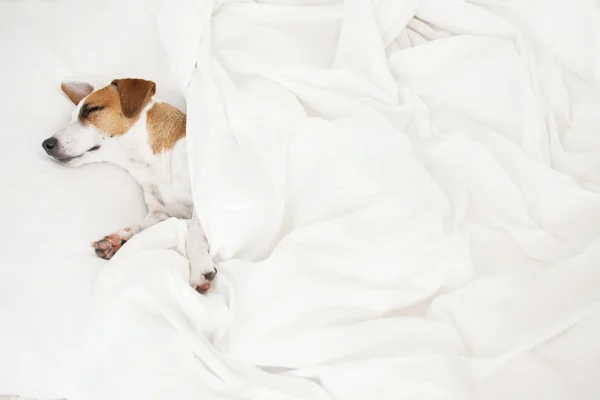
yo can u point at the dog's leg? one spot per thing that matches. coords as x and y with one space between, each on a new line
202 269
107 247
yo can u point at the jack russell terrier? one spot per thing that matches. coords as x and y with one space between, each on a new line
123 123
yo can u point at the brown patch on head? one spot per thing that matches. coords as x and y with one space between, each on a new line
115 108
134 94
103 110
165 125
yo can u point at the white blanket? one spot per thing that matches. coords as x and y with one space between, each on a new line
404 199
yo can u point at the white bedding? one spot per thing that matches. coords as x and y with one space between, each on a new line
398 212
51 214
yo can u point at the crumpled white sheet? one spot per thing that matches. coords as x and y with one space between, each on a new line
403 197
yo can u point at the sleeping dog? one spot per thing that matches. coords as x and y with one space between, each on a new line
123 123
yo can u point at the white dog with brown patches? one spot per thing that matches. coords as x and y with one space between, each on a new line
124 124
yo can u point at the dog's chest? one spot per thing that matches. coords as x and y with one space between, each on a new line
165 180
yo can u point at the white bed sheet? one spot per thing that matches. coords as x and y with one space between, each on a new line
51 213
403 213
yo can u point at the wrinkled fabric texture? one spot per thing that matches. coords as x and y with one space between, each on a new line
402 196
403 199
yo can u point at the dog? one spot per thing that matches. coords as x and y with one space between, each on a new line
124 124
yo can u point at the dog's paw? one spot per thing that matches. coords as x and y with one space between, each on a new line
204 282
107 247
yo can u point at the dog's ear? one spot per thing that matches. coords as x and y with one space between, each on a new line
76 89
134 94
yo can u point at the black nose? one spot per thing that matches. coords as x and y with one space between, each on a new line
49 144
210 276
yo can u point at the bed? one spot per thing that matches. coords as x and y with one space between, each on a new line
402 198
53 214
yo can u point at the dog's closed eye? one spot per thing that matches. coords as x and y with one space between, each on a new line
87 109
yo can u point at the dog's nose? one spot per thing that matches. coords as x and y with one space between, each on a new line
49 144
210 276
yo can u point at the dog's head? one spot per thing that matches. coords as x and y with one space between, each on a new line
101 117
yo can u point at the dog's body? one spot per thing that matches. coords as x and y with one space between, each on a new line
124 124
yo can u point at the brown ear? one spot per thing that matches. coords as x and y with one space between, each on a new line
134 94
76 89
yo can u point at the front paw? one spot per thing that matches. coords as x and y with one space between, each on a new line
204 282
107 247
